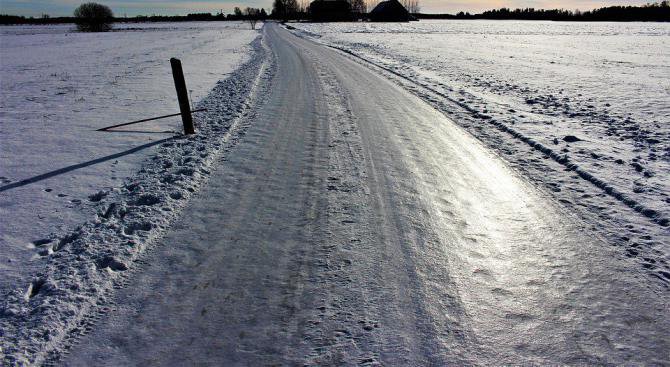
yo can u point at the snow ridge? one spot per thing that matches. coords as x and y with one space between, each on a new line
85 265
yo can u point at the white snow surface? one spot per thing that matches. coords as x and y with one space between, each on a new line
525 88
59 86
354 224
81 267
347 221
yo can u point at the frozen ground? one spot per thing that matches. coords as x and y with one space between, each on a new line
58 86
80 268
346 220
353 224
528 89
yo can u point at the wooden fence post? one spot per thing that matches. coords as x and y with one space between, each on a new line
182 96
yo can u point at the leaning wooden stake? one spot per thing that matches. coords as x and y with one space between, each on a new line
182 96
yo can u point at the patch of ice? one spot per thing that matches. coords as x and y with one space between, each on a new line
501 74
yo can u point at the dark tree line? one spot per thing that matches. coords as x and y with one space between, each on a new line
287 9
358 6
45 19
292 9
247 14
412 6
297 10
656 12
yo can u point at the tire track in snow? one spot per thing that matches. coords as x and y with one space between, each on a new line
513 228
642 238
562 159
452 244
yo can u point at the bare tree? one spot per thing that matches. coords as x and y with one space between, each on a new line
278 9
416 8
371 4
252 16
303 6
291 8
358 6
412 6
285 9
93 17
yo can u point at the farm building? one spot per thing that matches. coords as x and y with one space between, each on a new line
390 11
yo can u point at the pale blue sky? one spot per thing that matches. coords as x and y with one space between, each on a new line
171 7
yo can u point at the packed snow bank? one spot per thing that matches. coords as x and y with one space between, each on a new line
571 104
78 269
58 87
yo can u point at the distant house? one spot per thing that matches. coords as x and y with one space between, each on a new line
330 11
389 11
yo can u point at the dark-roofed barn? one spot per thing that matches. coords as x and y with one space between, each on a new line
330 10
390 11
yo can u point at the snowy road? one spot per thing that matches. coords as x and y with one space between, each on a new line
355 224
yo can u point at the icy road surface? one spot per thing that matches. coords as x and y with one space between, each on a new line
355 224
561 102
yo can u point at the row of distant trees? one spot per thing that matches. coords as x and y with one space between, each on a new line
412 6
298 9
251 15
46 19
96 17
655 12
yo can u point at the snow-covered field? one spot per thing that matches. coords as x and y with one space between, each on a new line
351 223
57 87
343 216
581 108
